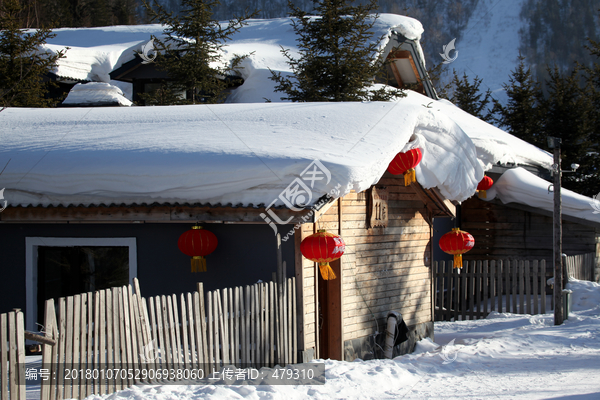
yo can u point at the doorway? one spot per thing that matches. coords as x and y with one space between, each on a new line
330 314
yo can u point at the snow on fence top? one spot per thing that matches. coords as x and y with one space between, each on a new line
239 154
94 52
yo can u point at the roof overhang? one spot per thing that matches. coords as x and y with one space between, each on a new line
547 213
144 213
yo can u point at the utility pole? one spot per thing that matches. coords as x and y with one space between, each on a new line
554 143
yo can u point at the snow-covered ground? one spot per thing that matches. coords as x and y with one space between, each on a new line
503 356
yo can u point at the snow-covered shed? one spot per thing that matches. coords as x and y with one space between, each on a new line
514 221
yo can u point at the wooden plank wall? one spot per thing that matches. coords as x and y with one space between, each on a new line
502 232
384 269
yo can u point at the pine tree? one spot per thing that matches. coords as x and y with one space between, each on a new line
592 82
522 115
436 72
592 90
466 96
164 95
191 50
568 115
22 64
100 12
124 12
336 55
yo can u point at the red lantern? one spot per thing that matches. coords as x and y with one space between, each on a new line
197 243
457 243
323 247
405 163
484 185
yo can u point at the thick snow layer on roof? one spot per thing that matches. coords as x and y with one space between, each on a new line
518 185
228 153
96 93
94 52
493 144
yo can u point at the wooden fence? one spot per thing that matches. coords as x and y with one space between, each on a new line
582 266
512 286
12 356
515 286
117 329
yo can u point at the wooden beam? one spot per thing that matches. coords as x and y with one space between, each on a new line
318 214
339 284
142 214
434 201
396 74
38 338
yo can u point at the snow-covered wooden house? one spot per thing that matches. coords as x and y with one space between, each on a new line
116 187
130 181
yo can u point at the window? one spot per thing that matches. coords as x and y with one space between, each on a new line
59 267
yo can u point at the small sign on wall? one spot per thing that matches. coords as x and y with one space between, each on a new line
377 208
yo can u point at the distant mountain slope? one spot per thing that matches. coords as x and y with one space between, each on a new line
489 45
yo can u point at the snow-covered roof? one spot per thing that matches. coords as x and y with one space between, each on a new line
94 52
518 185
240 154
96 93
495 146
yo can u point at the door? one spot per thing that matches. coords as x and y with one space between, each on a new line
330 314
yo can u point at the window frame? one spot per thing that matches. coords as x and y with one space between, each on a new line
31 261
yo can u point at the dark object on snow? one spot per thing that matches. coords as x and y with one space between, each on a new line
401 333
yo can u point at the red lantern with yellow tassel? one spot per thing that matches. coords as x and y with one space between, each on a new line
484 185
197 243
457 243
405 163
323 247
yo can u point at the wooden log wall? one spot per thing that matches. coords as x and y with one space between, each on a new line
383 269
502 232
